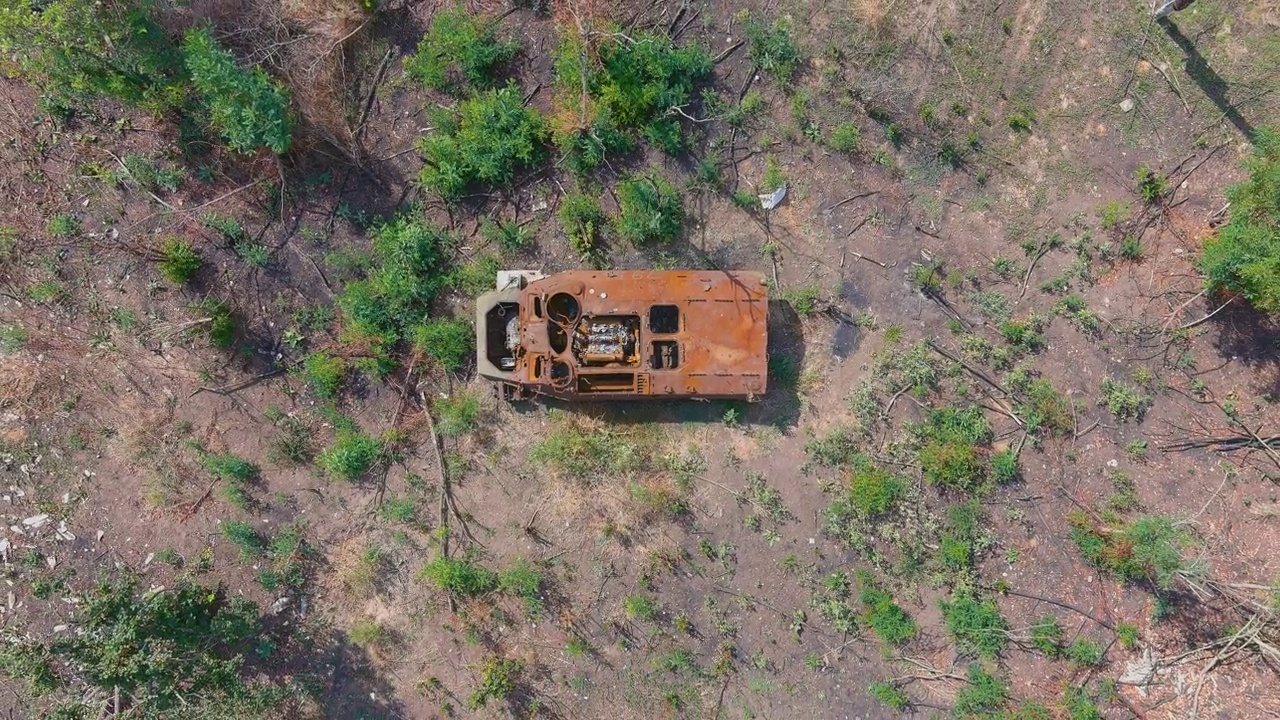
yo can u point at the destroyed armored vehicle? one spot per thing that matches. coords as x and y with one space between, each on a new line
625 334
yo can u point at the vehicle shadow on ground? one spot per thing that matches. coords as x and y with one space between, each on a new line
1214 85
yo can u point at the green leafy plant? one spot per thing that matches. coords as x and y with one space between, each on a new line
460 575
490 138
248 541
1244 256
1148 548
583 222
772 48
447 341
511 236
499 678
874 490
984 696
179 261
640 607
1047 636
975 625
805 300
460 51
885 617
459 413
522 581
63 225
324 373
1151 185
649 210
1083 652
845 138
1020 123
890 694
247 107
352 455
1123 401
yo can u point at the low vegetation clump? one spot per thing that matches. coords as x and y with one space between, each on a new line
635 87
1123 401
521 580
1244 256
985 695
649 210
1148 548
1046 411
499 678
247 107
1047 636
352 455
806 300
588 450
175 652
845 138
885 617
324 373
235 472
485 143
950 457
772 48
460 51
1151 185
447 341
873 490
640 607
890 694
179 261
975 625
460 575
459 414
584 223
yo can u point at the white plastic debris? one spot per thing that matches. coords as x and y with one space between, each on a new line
36 522
769 201
63 533
279 605
1127 105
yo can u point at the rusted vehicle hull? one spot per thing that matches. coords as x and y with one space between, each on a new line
625 334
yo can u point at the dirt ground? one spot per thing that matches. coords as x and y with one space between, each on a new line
102 404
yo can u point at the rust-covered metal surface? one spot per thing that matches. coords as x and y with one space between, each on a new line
626 334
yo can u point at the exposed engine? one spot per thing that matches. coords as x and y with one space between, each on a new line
508 361
605 340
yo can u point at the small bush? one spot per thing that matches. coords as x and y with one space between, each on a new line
985 695
649 210
459 51
584 451
1047 636
1083 652
352 455
499 678
228 228
1004 466
324 373
640 607
460 575
219 325
489 140
1150 548
1127 634
874 490
772 48
247 540
1047 410
459 414
229 466
952 465
1151 185
845 138
1123 401
1244 256
511 236
179 261
1020 123
447 341
976 625
1113 213
63 225
806 300
368 634
890 694
249 109
883 615
583 222
522 581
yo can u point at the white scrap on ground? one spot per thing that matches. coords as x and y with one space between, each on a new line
769 201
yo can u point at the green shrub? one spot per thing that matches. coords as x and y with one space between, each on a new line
179 261
1151 184
149 175
367 633
984 696
509 235
78 51
247 107
176 652
12 338
499 678
460 575
633 85
845 138
1024 335
1113 213
1047 636
890 694
1149 548
248 541
477 275
459 51
489 140
1004 466
1047 410
352 455
952 465
805 300
63 225
219 325
408 258
649 210
228 228
459 414
975 625
582 450
522 581
1127 634
324 373
882 614
1083 652
229 466
640 607
583 221
1020 123
1244 256
772 48
1123 401
447 341
874 490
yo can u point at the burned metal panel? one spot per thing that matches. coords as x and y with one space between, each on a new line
635 333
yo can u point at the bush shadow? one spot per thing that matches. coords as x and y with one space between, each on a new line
1254 339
